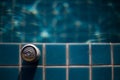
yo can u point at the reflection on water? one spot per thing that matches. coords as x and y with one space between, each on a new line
59 21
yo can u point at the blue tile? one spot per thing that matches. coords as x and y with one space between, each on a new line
31 73
117 73
9 74
116 51
55 55
55 74
101 73
9 54
78 54
101 54
78 73
41 50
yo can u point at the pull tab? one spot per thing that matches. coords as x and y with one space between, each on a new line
30 53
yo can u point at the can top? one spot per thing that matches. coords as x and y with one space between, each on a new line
30 53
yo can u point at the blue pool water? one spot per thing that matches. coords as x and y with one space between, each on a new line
60 21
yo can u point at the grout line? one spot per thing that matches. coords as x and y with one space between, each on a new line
9 66
102 66
80 66
112 60
67 62
116 65
62 66
115 43
1 43
61 43
20 60
55 66
99 43
67 68
20 63
90 62
43 58
32 66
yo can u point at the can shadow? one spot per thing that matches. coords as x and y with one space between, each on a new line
27 71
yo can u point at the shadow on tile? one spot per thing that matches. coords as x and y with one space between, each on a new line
28 72
30 64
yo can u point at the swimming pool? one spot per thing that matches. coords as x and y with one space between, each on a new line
59 21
